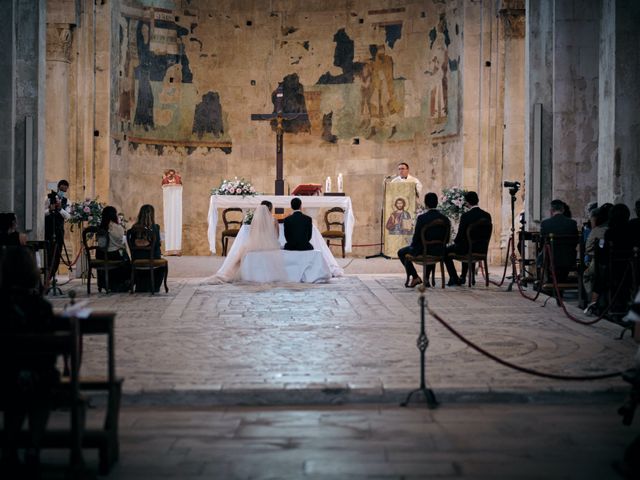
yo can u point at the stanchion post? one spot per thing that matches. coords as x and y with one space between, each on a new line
422 344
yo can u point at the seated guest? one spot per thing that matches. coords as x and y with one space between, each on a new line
460 245
634 226
147 219
9 234
616 238
599 225
298 228
564 251
116 250
26 390
416 247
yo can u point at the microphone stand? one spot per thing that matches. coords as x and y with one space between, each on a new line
381 253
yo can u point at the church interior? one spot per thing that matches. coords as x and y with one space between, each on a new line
163 102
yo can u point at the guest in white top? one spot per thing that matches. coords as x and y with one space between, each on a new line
119 277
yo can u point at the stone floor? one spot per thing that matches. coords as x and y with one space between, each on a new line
321 369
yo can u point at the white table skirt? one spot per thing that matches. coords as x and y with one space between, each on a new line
284 266
310 205
317 242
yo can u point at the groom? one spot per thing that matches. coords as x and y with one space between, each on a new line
297 228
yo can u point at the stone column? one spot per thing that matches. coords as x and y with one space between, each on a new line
575 102
59 40
619 146
512 29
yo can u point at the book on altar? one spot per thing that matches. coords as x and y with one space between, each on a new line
307 189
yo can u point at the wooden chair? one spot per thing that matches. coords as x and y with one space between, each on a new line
103 437
438 231
560 245
331 222
143 239
231 227
18 348
96 240
41 245
478 237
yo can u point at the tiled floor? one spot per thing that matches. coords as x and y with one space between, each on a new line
322 368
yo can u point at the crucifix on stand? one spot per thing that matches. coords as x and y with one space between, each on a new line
279 116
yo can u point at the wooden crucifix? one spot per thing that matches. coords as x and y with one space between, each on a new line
279 116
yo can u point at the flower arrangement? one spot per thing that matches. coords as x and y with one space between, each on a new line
234 187
452 202
248 217
89 211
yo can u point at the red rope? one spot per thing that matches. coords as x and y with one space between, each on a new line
529 371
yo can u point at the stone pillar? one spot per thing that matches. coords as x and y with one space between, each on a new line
619 146
512 28
59 40
575 102
538 85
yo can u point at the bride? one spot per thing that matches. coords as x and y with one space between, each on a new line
263 236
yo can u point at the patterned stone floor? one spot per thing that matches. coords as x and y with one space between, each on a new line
353 339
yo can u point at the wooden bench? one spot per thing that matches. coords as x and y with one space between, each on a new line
20 348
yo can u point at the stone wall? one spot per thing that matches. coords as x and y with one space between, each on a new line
380 85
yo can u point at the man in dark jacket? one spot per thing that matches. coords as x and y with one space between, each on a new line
460 244
564 250
416 247
298 228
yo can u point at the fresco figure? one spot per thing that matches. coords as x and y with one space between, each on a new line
399 222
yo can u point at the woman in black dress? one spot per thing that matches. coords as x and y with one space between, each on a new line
147 219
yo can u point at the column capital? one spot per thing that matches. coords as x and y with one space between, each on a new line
513 22
59 40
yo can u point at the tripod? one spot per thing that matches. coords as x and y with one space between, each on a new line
512 239
381 253
56 254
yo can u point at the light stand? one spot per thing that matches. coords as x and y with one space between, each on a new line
422 344
513 189
381 253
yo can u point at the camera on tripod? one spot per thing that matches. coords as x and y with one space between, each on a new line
512 186
53 197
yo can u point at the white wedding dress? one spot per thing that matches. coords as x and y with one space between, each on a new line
256 256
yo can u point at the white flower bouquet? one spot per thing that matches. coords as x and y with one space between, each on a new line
234 187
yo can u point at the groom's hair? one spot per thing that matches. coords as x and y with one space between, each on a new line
296 203
431 200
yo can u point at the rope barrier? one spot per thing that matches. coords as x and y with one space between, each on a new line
506 262
513 366
554 280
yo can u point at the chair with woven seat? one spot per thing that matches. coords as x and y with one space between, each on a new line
142 243
478 238
232 224
334 222
435 236
95 241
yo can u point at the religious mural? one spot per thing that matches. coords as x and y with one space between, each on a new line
158 101
368 99
372 90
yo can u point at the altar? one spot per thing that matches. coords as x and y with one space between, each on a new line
310 205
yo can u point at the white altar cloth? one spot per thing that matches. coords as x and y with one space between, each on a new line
284 266
310 205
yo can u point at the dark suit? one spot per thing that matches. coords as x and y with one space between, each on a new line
460 244
564 251
298 229
634 231
416 247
